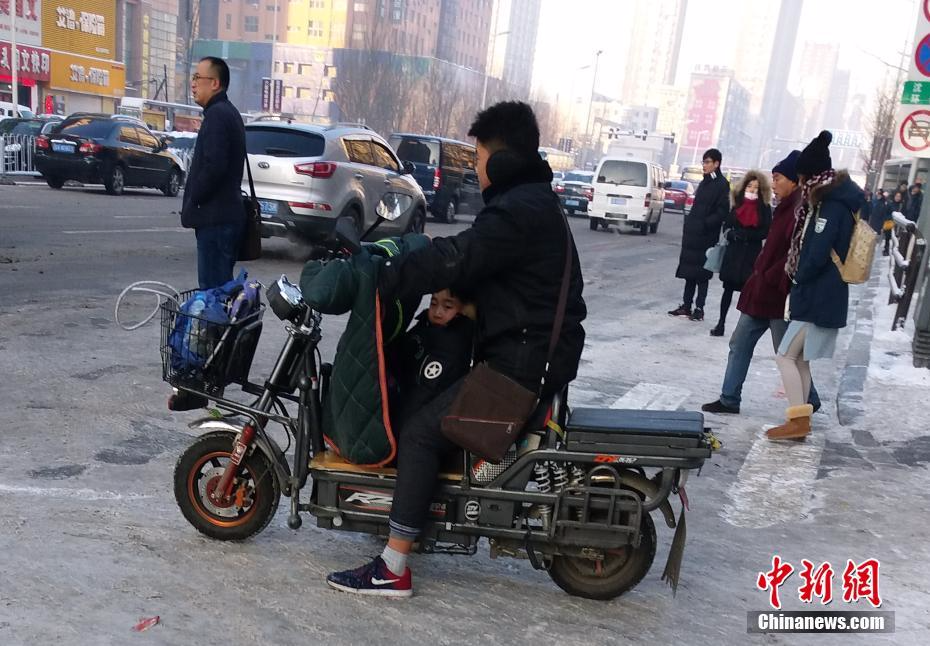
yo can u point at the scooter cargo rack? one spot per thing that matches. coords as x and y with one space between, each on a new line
676 434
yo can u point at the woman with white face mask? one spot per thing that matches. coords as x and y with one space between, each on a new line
746 228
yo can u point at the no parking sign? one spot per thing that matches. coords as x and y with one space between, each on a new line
912 132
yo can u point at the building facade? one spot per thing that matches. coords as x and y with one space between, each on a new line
464 29
655 45
717 116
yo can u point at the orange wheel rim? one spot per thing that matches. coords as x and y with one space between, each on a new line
194 494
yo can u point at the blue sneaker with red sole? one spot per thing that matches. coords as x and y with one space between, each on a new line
374 579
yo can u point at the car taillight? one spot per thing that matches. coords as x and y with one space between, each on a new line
589 193
42 142
89 148
648 200
437 179
558 188
690 200
317 170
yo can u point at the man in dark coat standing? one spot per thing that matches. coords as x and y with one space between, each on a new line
762 301
914 203
212 203
512 259
701 231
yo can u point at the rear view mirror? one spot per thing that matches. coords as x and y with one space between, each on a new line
408 168
347 235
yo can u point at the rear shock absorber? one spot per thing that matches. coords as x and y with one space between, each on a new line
544 485
576 480
559 477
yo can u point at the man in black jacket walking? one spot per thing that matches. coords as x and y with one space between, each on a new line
512 259
212 203
701 231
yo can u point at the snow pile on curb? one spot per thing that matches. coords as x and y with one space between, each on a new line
892 357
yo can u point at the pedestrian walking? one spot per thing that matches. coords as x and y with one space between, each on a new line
896 205
700 232
819 299
745 228
865 213
762 301
877 210
914 203
212 204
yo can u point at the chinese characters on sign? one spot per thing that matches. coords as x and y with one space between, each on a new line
92 75
88 23
24 8
31 62
860 582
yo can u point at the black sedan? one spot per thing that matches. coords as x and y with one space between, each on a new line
575 190
117 152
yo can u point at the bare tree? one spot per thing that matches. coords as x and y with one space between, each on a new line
881 131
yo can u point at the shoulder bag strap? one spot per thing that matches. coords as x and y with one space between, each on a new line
248 170
563 296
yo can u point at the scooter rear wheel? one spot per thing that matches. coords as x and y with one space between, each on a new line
620 570
255 492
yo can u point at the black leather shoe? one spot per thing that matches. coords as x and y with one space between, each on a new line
719 407
682 310
717 330
697 314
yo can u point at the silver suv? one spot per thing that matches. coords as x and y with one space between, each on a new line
307 176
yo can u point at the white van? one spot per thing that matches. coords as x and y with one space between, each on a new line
6 110
627 192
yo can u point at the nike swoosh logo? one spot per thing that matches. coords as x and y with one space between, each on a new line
383 581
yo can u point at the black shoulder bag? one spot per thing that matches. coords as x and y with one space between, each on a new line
491 409
251 246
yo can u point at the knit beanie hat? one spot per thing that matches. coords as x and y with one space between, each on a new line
788 166
815 159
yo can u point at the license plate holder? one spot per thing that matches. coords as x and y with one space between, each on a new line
618 201
63 148
572 203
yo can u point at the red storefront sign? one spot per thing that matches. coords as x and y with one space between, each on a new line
32 63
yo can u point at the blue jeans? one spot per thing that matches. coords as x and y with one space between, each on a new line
749 330
217 251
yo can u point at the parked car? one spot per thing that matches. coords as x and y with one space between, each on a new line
627 192
575 191
307 176
444 169
6 111
18 136
117 152
557 176
679 195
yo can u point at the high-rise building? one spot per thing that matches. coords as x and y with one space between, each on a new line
247 21
754 48
670 100
512 44
814 74
464 29
717 115
405 27
776 80
837 100
655 45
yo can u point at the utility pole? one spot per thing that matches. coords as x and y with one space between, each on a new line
587 123
14 54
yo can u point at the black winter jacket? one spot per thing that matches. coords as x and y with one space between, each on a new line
743 247
511 261
213 193
701 229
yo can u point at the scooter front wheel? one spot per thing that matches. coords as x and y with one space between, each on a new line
255 493
618 572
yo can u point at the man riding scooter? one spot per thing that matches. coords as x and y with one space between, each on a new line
512 258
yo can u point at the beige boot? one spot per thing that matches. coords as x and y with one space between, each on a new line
797 427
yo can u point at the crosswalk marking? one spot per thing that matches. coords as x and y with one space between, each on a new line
646 396
774 483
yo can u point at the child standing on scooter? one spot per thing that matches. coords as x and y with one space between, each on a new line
433 354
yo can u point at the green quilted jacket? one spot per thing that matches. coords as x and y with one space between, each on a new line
356 422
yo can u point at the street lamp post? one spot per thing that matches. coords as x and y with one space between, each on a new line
490 65
697 144
587 123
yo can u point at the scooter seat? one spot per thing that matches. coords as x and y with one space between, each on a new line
331 461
